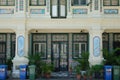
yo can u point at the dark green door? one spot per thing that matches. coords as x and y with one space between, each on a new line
60 56
2 52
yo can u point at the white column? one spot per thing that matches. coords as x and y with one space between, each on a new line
69 14
21 50
48 8
95 46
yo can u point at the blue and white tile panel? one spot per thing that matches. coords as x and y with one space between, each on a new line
110 11
80 11
37 11
6 11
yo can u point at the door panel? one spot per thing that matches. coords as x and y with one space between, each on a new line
63 57
60 58
2 53
56 56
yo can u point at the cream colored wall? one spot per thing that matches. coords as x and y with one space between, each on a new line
94 22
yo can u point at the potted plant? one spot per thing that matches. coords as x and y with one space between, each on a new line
78 72
9 66
111 58
47 68
83 62
90 74
35 59
98 71
85 76
70 69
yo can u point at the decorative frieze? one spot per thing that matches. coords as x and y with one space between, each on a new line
110 11
80 11
39 37
6 11
59 37
37 11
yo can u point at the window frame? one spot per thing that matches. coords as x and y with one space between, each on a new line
37 4
40 46
111 3
7 3
39 42
86 42
80 52
72 3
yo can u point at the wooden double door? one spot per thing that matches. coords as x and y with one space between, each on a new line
60 56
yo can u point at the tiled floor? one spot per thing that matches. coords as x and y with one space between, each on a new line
57 76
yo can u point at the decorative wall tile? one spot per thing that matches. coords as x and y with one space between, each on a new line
37 11
110 11
80 11
6 11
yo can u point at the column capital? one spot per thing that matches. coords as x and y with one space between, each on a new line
96 31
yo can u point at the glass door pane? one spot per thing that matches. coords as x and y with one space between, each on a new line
54 8
2 53
62 8
56 56
63 57
40 48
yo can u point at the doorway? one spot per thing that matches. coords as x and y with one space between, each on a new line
58 8
60 56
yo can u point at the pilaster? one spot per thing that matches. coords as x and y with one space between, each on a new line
95 46
69 14
21 50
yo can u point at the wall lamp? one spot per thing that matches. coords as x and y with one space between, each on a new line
81 31
89 3
36 31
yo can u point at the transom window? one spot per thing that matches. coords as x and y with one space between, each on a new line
78 2
37 2
111 2
7 2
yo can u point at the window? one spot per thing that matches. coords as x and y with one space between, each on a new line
78 49
2 48
78 2
37 2
105 38
7 2
40 48
111 2
80 44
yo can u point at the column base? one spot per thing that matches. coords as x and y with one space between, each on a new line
17 61
95 60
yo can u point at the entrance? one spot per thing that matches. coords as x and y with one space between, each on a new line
58 8
60 56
